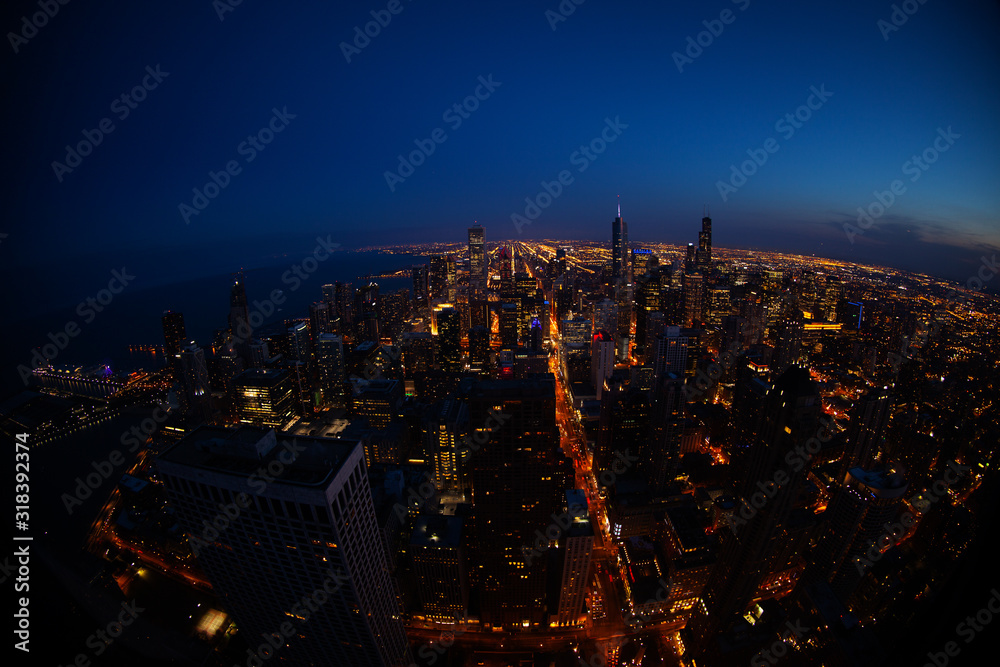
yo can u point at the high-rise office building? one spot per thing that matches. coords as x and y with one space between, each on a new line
366 312
477 258
174 333
751 549
602 359
619 249
789 346
380 402
319 320
479 348
330 361
855 521
438 277
443 433
304 552
703 257
264 397
671 352
694 299
421 286
660 458
298 347
239 317
866 441
449 338
506 258
196 392
439 563
577 543
509 326
516 489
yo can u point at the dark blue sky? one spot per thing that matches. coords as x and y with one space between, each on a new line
324 173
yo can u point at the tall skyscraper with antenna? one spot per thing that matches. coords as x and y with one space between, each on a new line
703 257
619 248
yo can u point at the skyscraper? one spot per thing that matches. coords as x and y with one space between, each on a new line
866 432
439 563
619 248
174 333
602 359
449 341
515 492
790 420
477 258
304 546
420 286
330 360
703 257
239 316
197 394
856 519
264 397
577 544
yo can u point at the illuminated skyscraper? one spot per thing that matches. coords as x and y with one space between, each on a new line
330 360
449 341
477 258
439 563
515 492
304 551
264 397
421 286
619 249
703 257
174 333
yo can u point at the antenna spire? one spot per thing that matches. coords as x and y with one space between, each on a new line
619 206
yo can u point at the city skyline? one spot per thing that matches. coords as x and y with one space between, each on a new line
508 334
